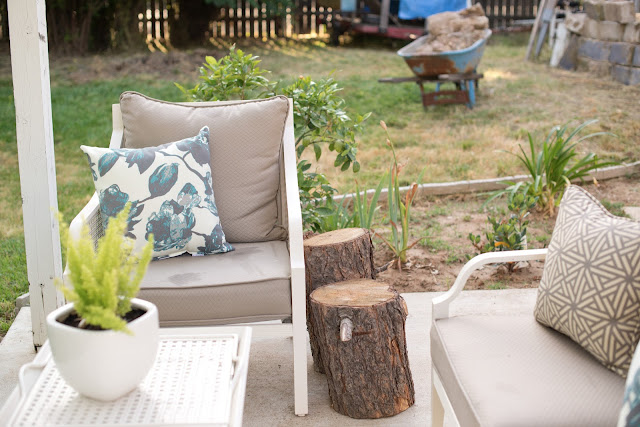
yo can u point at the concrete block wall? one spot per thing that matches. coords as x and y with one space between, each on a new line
606 40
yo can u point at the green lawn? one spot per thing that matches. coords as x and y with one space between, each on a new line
452 142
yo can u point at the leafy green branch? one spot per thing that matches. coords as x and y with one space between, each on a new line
320 119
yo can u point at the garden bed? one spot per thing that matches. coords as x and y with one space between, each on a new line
445 222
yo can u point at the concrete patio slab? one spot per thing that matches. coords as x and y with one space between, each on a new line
633 212
16 349
269 398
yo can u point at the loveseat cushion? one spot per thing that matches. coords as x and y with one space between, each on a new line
590 286
511 371
249 284
245 145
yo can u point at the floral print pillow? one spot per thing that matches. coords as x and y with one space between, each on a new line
170 191
630 413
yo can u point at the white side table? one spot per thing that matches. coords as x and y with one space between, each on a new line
198 379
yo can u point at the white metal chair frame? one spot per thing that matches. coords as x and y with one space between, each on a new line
441 406
293 221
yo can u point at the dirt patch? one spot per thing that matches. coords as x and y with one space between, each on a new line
164 66
171 66
444 223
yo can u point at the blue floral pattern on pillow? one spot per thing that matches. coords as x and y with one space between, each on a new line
170 191
630 414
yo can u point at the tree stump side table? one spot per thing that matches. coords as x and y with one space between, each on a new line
360 330
331 257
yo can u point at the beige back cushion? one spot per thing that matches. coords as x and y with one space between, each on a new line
245 145
590 286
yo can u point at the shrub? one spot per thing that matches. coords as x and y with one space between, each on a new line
553 167
508 232
107 277
320 119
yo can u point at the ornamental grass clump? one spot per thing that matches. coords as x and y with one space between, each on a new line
106 278
399 209
554 166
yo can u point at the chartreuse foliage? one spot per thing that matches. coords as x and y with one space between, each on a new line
399 209
320 120
107 277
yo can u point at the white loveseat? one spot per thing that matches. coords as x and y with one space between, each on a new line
509 370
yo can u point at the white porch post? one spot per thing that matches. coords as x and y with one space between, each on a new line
34 131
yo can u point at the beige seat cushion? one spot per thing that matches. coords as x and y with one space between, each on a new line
590 286
510 371
245 145
249 284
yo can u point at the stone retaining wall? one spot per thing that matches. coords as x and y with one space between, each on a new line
605 40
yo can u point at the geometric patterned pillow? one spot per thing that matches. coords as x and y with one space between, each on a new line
590 286
630 413
170 191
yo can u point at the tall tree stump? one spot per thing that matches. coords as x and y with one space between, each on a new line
360 331
334 257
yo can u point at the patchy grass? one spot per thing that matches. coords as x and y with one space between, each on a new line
13 280
616 208
497 285
455 143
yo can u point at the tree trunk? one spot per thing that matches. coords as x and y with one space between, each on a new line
360 331
334 257
5 20
189 21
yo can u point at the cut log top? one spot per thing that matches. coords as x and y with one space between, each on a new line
335 237
354 293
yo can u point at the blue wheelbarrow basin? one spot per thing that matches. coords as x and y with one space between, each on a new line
461 61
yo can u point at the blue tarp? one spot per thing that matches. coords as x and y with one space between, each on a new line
412 9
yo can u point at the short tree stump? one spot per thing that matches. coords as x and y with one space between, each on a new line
359 327
338 255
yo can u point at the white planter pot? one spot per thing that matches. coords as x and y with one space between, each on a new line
104 365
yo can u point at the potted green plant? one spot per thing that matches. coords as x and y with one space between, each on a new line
104 341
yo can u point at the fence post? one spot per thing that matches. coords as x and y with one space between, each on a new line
34 132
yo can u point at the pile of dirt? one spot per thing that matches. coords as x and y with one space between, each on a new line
454 30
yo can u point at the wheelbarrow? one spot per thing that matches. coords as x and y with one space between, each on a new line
456 66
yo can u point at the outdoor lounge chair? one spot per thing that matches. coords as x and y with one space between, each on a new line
509 370
562 361
255 185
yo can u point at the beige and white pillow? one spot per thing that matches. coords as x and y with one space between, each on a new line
590 287
246 138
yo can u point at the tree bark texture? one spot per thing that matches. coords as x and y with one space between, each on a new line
360 331
334 257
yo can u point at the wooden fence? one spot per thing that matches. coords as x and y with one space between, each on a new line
305 18
507 13
249 21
